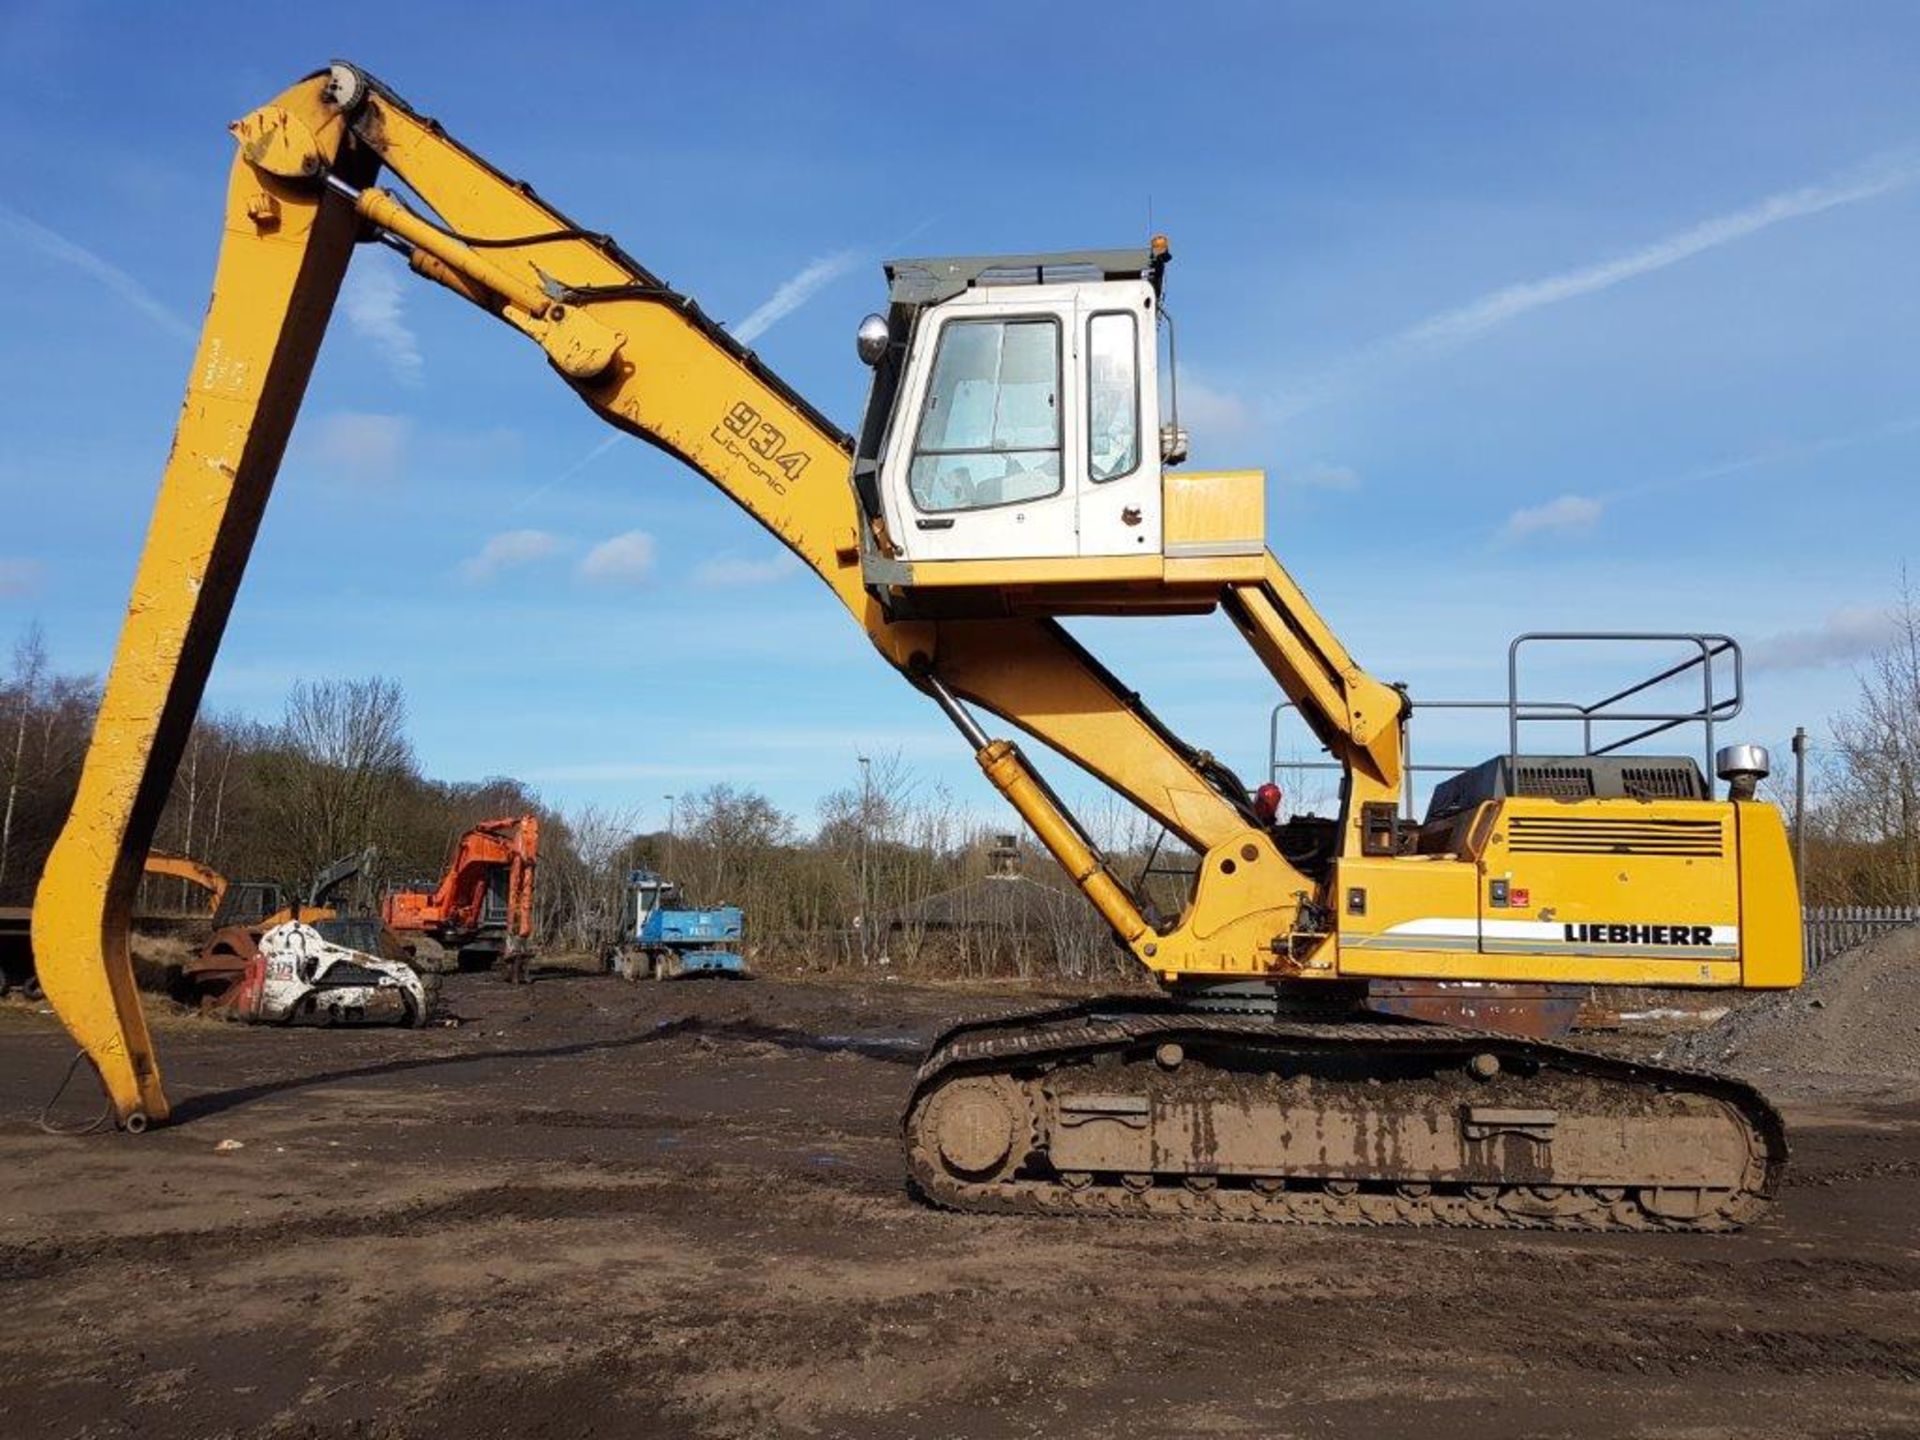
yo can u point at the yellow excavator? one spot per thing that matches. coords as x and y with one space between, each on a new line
181 867
1013 468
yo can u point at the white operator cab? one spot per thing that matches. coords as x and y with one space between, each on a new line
1016 416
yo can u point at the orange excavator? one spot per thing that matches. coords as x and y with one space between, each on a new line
482 908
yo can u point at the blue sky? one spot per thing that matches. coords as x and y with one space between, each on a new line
1537 317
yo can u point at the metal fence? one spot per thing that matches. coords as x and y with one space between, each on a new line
1833 928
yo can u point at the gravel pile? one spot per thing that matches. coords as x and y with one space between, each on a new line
1853 1028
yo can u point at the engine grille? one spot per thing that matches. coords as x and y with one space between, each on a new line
1554 782
1661 782
1565 835
1569 777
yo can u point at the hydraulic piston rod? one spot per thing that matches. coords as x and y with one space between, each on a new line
1056 828
579 345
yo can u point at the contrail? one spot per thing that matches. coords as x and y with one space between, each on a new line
794 293
1451 329
567 474
58 247
789 297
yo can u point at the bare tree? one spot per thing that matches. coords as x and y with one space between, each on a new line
45 719
730 846
343 758
1871 819
196 808
23 690
580 893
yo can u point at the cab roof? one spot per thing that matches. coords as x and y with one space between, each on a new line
930 280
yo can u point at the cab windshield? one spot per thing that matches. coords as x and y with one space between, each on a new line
990 434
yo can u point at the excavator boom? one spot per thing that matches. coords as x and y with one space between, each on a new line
160 862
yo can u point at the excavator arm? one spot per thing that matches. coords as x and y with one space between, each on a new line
645 358
161 862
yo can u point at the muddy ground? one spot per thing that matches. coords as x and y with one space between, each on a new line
608 1210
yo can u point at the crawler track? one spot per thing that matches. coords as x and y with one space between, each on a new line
1134 1108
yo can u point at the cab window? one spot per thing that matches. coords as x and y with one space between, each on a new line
1113 396
990 434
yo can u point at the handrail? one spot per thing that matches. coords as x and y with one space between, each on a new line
1710 646
1713 707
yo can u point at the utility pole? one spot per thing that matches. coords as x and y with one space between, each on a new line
1800 811
670 802
866 830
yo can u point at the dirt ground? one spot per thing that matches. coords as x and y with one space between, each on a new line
606 1210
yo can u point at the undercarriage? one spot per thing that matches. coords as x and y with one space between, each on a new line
1133 1107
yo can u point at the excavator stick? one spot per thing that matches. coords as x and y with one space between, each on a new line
283 254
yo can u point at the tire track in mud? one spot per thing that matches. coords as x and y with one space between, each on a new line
1637 1336
668 1196
1671 1348
1823 1176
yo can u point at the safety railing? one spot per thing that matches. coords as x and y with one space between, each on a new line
1832 929
1713 707
1596 719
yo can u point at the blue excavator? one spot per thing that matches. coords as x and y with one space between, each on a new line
663 938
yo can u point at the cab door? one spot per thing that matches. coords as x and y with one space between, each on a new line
986 472
1118 483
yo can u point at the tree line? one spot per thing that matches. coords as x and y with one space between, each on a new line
1863 805
336 772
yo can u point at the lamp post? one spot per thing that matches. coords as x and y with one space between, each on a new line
1800 810
670 803
866 826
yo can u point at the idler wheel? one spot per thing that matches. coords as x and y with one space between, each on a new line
977 1127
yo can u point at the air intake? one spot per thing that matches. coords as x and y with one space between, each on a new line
1553 782
1661 782
1565 835
1569 777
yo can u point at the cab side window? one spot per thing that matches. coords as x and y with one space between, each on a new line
990 434
1113 396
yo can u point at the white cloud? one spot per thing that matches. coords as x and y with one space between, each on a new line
1461 325
372 298
364 445
793 293
733 571
1850 633
57 247
19 577
624 560
1210 412
1567 515
509 550
1321 476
